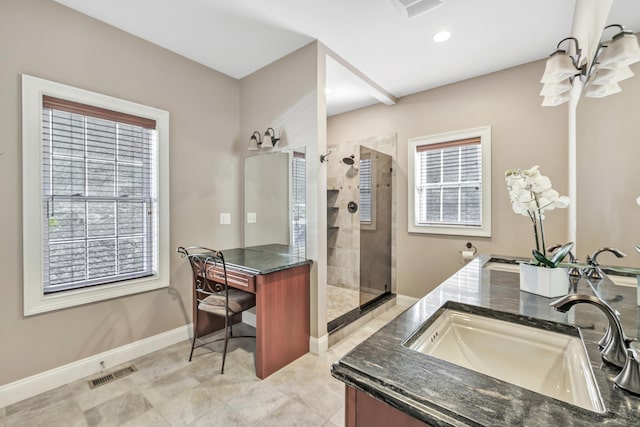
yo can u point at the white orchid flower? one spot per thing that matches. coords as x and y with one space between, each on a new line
531 194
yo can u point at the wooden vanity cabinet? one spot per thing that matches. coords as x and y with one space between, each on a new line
362 410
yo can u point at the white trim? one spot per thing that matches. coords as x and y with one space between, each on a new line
484 133
35 301
405 300
319 346
65 374
249 317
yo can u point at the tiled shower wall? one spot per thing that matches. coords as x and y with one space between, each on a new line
343 228
343 233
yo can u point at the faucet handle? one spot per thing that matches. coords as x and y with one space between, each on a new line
629 378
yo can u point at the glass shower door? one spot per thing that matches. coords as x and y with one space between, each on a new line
375 224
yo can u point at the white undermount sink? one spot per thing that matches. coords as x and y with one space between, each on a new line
554 364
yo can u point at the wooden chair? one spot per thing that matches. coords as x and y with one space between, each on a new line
212 292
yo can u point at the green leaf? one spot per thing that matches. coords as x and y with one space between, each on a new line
560 253
542 259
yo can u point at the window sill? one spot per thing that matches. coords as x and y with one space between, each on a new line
40 303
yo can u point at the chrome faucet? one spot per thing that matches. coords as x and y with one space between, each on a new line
573 271
615 352
594 271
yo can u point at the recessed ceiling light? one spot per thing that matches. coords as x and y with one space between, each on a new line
441 36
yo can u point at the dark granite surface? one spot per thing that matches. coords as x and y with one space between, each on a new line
443 394
263 259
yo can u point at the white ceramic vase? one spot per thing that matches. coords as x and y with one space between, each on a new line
543 281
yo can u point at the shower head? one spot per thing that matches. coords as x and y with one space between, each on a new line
349 160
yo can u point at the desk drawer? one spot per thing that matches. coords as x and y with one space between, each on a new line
236 279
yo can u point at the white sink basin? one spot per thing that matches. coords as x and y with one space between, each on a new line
550 363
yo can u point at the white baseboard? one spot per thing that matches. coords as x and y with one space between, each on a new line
249 317
405 300
48 380
319 345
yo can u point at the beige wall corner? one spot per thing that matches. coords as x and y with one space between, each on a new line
284 95
47 40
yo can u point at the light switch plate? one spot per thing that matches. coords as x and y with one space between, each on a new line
251 217
225 218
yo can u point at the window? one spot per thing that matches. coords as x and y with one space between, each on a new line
367 206
95 196
450 183
365 191
299 204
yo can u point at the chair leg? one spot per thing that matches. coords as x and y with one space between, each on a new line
226 340
195 333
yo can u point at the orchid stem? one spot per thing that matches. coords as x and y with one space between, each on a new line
534 221
544 250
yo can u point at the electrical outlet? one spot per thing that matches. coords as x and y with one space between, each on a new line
225 218
251 217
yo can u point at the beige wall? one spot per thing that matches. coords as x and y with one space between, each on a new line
284 95
45 39
608 173
523 134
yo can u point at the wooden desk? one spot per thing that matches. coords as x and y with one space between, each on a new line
281 284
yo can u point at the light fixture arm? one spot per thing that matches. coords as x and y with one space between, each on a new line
272 135
575 58
256 135
619 34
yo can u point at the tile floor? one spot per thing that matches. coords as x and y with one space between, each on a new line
167 390
340 301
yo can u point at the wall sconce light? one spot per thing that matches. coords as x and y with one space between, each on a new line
270 139
610 65
255 142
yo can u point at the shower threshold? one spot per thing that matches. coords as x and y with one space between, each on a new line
353 315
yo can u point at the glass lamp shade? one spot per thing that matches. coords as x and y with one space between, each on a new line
620 52
267 142
559 67
609 75
253 144
553 100
600 91
556 88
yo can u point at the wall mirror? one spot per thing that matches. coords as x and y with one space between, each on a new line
607 162
275 200
608 174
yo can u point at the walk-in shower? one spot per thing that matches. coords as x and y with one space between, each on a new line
359 241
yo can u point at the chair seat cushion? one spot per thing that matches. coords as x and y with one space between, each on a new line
238 302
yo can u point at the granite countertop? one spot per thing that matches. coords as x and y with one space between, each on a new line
263 259
442 394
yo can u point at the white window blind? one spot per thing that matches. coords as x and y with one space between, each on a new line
449 183
99 214
365 191
299 172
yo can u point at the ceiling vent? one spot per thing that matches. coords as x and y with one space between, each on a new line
412 8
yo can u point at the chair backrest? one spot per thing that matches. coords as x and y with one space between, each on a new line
209 271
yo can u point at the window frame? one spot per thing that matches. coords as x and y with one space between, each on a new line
35 301
370 225
484 133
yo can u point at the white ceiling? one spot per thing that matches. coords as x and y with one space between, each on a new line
238 37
